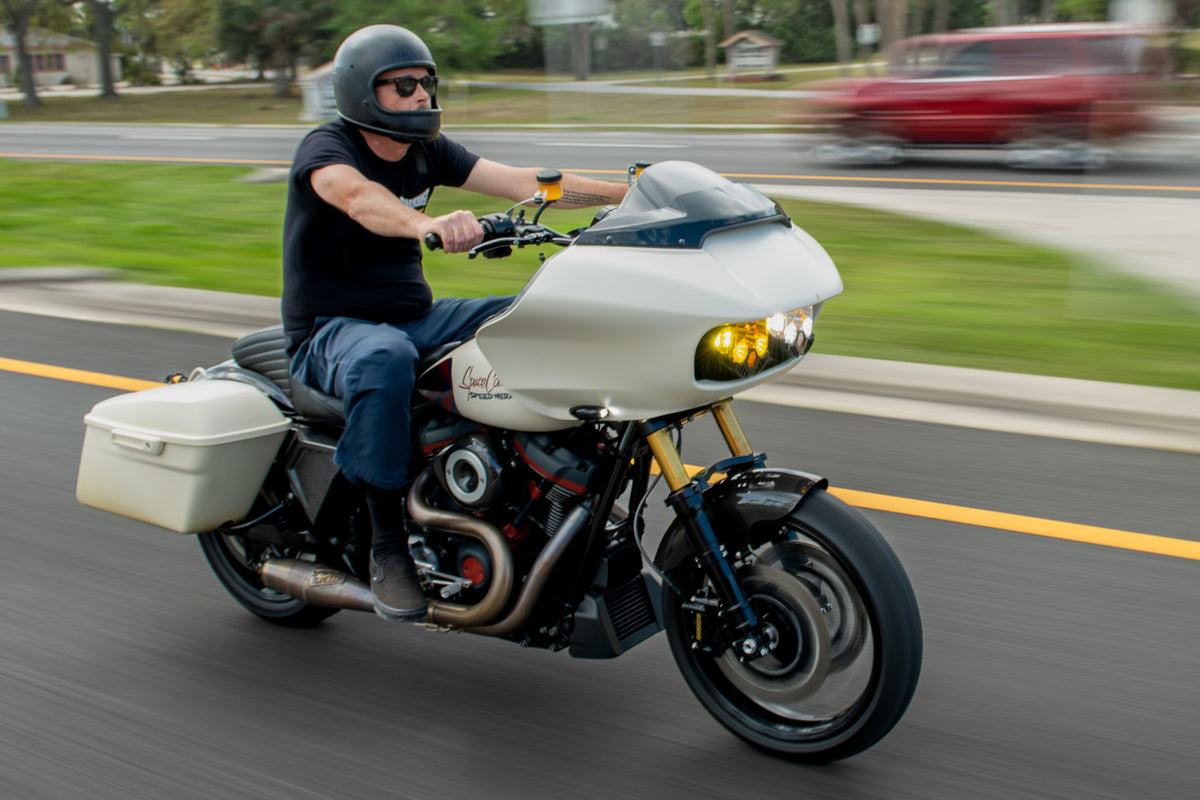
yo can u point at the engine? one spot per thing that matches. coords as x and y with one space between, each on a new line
525 484
535 476
472 470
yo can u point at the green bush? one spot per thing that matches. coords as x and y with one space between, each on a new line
1187 60
141 72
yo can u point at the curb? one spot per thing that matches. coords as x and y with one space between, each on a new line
9 275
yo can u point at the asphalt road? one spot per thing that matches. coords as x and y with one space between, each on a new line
1151 166
1052 669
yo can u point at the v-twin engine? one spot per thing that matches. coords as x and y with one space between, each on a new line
492 512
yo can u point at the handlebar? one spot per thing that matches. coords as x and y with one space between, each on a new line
502 232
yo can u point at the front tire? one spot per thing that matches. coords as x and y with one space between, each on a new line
848 652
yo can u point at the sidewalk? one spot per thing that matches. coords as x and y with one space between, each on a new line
1138 416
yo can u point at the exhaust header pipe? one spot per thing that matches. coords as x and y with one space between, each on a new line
456 615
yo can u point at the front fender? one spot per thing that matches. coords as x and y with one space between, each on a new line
739 504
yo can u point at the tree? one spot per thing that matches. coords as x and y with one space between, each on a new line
103 12
18 15
180 30
468 35
273 33
841 30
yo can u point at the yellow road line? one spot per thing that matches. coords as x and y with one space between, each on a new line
1035 526
749 175
75 375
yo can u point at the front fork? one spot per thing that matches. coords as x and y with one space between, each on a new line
687 499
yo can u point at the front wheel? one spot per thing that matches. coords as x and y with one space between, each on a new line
844 630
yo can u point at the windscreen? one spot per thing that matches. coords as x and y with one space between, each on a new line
676 204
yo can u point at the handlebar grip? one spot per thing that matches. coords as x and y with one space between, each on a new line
433 241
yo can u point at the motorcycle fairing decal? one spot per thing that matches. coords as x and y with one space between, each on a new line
482 386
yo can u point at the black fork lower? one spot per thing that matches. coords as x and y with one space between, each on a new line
686 498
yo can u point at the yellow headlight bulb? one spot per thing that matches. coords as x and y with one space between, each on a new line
761 342
723 340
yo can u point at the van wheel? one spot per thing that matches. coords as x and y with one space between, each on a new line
1052 153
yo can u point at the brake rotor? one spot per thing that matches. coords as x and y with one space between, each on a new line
844 615
798 662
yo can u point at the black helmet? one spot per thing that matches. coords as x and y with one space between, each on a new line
366 54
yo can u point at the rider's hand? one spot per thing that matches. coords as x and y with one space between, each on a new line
458 230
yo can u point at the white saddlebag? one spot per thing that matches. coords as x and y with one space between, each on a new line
187 456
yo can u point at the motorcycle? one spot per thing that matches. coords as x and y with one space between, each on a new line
537 443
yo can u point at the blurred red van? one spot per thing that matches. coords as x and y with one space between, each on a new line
1035 85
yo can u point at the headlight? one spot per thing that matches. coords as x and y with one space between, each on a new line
741 349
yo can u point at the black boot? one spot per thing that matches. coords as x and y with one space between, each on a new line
395 586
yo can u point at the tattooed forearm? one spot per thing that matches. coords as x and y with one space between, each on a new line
576 197
579 192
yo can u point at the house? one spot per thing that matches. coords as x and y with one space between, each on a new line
751 55
56 58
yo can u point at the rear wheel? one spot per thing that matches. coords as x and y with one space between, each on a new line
230 558
844 630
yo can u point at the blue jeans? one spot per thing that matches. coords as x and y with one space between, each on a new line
371 367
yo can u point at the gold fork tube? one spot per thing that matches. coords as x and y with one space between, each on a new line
669 462
731 429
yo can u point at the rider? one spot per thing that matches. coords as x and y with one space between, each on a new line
357 310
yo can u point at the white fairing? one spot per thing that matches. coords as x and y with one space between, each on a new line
616 326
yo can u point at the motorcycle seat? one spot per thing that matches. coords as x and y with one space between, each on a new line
316 406
265 352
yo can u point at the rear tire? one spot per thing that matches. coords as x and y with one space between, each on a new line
869 646
226 555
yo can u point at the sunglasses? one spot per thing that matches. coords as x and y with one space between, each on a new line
406 84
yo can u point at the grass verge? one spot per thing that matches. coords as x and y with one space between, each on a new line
915 290
464 105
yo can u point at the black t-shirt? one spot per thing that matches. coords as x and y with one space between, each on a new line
334 267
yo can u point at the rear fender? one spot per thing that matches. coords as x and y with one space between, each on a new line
741 508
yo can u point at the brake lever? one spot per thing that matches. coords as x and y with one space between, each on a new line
495 244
